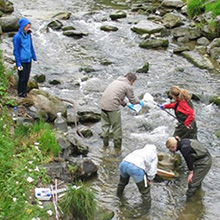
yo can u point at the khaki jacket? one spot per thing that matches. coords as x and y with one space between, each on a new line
115 94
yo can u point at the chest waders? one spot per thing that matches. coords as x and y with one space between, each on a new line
202 165
181 130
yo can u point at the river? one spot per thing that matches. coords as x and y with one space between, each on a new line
61 57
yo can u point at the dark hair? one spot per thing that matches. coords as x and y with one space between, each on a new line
131 76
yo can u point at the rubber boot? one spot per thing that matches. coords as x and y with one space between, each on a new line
105 141
145 193
117 143
121 185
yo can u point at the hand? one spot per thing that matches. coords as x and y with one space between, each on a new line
131 106
190 177
20 68
189 126
141 103
161 107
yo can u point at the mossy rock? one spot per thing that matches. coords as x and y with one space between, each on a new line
218 134
104 214
154 43
215 100
118 15
144 69
108 28
32 85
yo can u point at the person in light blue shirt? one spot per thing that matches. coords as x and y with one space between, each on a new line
24 53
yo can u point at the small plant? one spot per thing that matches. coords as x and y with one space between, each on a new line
212 25
80 203
40 132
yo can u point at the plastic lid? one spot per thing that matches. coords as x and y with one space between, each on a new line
15 108
59 113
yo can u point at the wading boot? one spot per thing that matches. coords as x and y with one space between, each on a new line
105 141
145 193
121 185
117 143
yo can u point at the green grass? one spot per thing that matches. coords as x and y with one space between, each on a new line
195 7
214 7
21 159
80 203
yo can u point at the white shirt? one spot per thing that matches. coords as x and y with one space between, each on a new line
146 159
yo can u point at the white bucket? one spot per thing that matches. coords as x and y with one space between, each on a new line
43 193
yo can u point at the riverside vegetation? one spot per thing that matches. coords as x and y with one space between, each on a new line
197 7
21 167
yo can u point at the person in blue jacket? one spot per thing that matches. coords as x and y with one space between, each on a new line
24 53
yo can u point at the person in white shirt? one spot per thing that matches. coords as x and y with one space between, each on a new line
141 165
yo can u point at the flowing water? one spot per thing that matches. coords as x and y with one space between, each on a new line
61 57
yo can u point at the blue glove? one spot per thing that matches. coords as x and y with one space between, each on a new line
141 103
161 107
131 106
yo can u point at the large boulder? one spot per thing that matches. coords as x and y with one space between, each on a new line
6 6
171 20
214 48
146 26
85 167
198 60
173 3
191 33
9 23
62 15
45 105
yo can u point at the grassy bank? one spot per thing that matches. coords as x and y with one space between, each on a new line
22 166
196 7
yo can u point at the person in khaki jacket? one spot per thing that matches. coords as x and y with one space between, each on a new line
112 98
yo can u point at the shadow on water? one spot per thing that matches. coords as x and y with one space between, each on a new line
192 209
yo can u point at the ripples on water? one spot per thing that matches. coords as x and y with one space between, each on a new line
60 56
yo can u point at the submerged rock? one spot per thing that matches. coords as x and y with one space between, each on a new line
55 25
108 28
75 34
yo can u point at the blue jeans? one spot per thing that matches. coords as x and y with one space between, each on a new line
128 169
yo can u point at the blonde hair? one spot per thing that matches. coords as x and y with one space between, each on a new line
172 142
181 94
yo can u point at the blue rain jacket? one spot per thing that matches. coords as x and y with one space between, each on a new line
23 46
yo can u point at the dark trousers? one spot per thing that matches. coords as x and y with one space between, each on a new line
23 77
